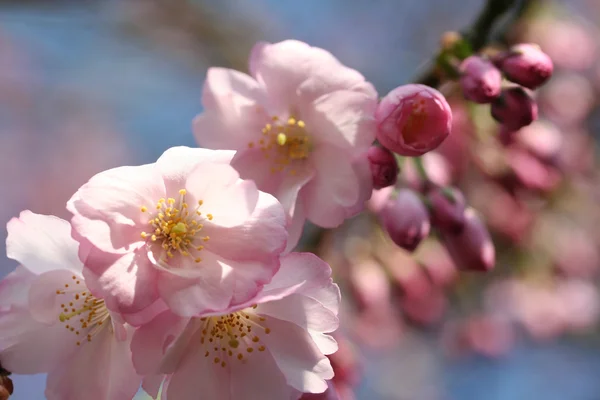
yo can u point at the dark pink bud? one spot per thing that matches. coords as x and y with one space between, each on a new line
515 108
405 219
413 119
384 167
329 394
480 80
527 65
472 249
447 209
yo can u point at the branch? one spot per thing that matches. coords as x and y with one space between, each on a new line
483 31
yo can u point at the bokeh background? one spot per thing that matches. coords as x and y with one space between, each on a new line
90 85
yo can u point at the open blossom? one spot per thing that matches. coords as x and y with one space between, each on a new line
50 322
271 348
185 230
301 123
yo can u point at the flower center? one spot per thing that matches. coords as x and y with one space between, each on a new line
233 336
84 315
284 143
417 118
176 228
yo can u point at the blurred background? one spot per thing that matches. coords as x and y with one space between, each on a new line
90 85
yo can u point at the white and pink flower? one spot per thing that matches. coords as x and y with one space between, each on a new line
272 347
301 125
186 231
50 322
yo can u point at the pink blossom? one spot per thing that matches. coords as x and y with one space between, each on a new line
301 123
89 359
185 229
270 348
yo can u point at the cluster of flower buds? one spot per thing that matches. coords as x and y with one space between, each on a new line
525 65
407 217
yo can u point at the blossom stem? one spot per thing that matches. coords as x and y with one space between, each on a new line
421 171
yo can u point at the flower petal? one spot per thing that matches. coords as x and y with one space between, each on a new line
293 71
298 273
126 282
176 163
344 119
42 243
261 236
14 288
197 376
258 379
303 365
223 194
109 377
234 110
213 290
44 301
303 311
115 197
31 347
296 226
329 197
158 346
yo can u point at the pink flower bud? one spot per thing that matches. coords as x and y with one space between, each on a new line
384 167
472 249
480 80
515 108
447 209
406 220
527 65
413 119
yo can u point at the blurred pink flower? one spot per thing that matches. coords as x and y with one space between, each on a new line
542 139
47 294
567 99
582 303
185 229
379 198
570 44
301 124
272 347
